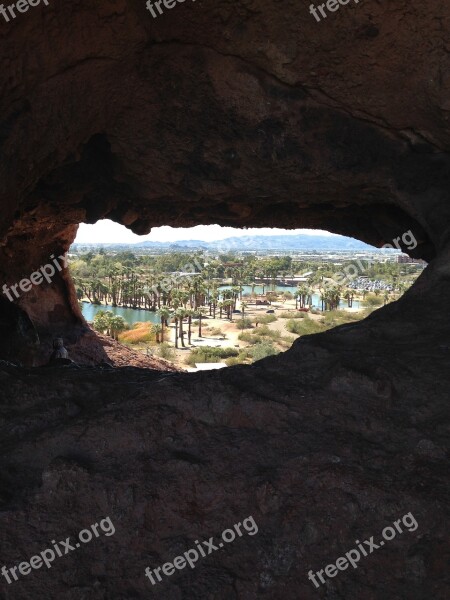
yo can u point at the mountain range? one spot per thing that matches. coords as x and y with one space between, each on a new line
301 241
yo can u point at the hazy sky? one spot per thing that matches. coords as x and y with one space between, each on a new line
110 232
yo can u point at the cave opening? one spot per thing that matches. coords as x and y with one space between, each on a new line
208 297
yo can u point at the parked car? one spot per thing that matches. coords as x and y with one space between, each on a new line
270 312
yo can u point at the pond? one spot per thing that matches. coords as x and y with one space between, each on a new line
258 289
132 315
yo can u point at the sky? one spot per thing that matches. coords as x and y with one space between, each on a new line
106 232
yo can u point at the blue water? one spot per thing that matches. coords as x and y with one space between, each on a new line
258 289
132 315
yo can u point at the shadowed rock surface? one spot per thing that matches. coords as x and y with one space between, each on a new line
246 114
328 443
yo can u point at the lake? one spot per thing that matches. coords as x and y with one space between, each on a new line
132 315
247 289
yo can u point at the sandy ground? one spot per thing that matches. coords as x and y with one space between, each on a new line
230 330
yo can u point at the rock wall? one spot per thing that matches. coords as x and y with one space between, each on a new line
251 115
238 113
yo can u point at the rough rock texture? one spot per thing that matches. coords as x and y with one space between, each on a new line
240 113
234 113
116 354
327 444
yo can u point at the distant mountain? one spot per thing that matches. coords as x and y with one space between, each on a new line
194 244
302 242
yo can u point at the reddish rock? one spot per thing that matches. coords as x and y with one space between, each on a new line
246 114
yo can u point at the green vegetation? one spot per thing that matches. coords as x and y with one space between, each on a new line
187 289
141 333
263 350
373 300
304 326
308 326
166 351
208 354
244 323
107 322
342 317
266 319
216 331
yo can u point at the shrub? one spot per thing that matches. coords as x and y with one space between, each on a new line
235 360
264 331
215 331
340 317
373 300
262 350
207 354
248 337
244 323
266 319
303 326
166 351
293 315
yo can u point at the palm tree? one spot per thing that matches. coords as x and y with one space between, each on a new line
101 321
190 314
348 295
175 320
164 314
214 299
199 315
181 313
229 304
117 324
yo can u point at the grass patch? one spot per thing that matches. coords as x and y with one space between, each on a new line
208 354
340 317
304 326
329 320
373 300
141 332
266 319
263 350
245 323
166 351
215 331
233 361
249 338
